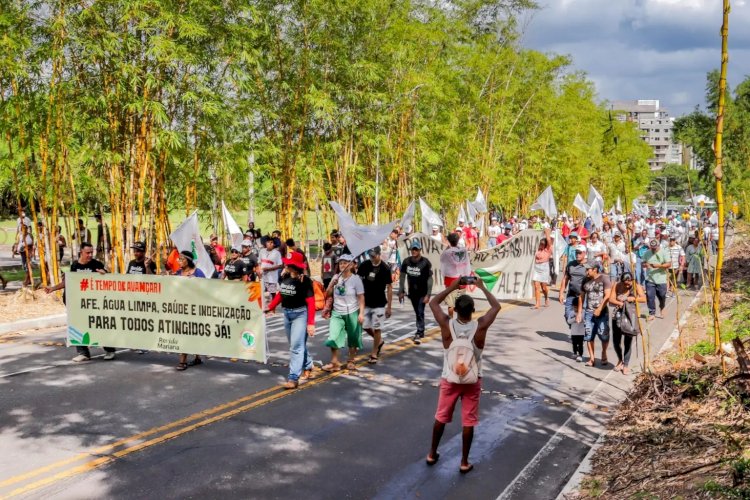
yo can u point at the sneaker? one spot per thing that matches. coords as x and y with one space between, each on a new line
579 359
109 356
81 358
416 340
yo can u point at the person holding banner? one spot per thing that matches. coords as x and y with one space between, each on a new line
417 272
494 232
188 270
348 314
541 276
297 298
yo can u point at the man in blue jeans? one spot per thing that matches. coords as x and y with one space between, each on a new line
594 312
656 261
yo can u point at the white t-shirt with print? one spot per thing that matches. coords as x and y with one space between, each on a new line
346 292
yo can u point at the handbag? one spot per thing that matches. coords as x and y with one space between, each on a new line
627 320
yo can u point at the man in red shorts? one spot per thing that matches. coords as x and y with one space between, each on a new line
464 383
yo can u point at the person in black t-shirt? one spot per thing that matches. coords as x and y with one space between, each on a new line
378 283
417 272
297 297
249 260
234 268
86 263
140 265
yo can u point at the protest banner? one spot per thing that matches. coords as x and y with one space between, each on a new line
505 269
166 313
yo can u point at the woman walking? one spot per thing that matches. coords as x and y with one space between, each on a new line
297 298
625 291
348 314
694 258
188 269
541 276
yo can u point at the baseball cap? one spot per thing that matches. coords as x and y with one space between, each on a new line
415 244
461 220
247 243
139 245
435 228
591 265
236 249
573 235
347 257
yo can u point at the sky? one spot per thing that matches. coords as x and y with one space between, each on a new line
644 49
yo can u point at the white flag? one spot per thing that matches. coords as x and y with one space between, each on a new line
461 213
429 217
480 203
714 219
595 212
359 238
581 205
408 218
234 231
187 237
471 212
546 202
594 195
619 205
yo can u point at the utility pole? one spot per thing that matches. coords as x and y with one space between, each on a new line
214 207
251 189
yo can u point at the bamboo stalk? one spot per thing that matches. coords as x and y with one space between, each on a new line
718 175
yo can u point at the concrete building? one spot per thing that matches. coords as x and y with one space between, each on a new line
655 125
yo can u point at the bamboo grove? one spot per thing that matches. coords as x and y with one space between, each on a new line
135 108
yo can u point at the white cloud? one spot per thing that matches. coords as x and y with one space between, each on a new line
648 49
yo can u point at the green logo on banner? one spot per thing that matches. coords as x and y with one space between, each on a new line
248 339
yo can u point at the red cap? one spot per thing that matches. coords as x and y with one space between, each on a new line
296 259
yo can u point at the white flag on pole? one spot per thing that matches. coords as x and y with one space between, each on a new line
480 203
595 212
619 205
461 213
408 218
234 231
581 205
359 238
187 237
429 217
546 202
594 195
471 212
714 219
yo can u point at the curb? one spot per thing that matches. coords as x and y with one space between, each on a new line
55 320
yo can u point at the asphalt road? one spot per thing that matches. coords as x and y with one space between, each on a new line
136 428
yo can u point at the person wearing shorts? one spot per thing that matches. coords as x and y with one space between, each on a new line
345 328
378 284
463 326
593 309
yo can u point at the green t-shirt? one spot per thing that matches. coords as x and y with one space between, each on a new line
656 276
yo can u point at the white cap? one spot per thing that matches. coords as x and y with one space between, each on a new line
435 228
460 219
247 243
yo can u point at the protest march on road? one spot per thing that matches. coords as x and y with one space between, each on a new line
613 272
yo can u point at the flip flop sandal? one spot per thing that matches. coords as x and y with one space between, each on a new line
181 367
351 366
373 360
589 363
432 461
380 346
330 368
466 470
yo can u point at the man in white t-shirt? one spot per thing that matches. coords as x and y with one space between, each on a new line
270 263
436 234
454 263
494 231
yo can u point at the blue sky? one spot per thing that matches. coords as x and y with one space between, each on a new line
644 49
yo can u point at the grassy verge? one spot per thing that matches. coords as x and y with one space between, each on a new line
684 430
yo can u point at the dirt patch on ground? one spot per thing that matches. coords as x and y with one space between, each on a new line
684 430
24 304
